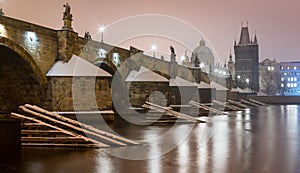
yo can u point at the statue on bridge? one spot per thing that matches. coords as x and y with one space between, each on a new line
173 55
67 13
67 17
172 50
87 35
1 12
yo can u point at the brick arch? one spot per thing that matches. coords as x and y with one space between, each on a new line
20 78
26 56
106 65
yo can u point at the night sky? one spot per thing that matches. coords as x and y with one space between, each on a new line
276 22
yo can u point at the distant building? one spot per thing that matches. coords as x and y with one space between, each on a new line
246 61
269 77
290 78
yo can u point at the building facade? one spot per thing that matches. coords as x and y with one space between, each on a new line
246 61
269 77
289 78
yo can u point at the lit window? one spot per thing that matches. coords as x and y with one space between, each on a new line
292 79
272 68
282 79
2 31
288 68
289 85
116 59
281 68
289 79
31 36
269 68
285 74
295 68
282 85
102 53
295 79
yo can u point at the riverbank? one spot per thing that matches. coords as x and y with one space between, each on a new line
277 100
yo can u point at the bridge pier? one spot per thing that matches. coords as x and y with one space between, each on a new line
10 145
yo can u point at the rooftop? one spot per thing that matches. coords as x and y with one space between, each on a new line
76 66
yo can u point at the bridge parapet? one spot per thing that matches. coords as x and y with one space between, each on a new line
40 42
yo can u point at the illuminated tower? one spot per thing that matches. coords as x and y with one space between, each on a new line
247 60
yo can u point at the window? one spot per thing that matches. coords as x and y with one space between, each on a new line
292 79
272 68
285 74
289 85
102 53
282 79
116 59
269 68
289 79
295 68
282 85
288 68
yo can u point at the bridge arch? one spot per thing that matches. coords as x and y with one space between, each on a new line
21 80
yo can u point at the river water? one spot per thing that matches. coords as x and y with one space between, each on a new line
264 139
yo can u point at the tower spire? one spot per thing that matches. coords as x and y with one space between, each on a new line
245 37
230 56
255 39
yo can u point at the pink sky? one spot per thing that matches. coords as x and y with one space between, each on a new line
276 22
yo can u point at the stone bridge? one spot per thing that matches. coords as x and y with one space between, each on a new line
28 51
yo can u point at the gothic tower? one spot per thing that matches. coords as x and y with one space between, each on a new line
247 61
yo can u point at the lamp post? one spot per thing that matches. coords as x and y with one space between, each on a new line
102 29
238 77
154 47
247 81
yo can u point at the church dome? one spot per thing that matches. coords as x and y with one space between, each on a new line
205 56
202 50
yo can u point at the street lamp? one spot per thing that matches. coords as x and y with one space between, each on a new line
247 81
201 65
153 47
182 57
101 30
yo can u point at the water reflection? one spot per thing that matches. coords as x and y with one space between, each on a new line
264 139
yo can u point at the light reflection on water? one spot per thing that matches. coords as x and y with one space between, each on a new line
264 139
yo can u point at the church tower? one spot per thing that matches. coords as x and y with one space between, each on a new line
247 60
